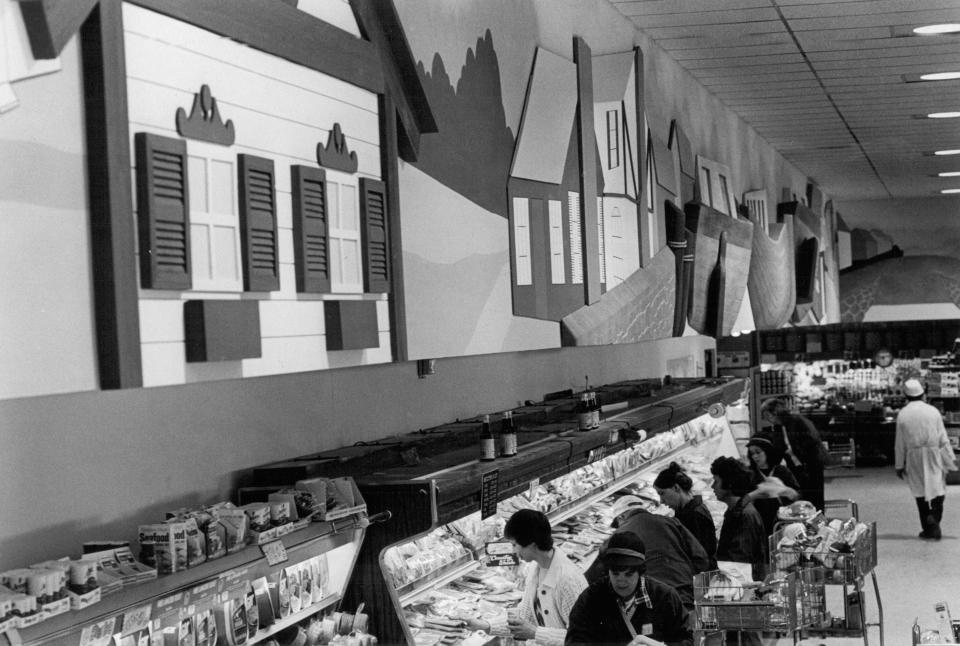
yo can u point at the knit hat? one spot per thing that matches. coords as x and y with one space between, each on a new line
912 388
624 549
766 443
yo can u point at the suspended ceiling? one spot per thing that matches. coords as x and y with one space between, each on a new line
826 83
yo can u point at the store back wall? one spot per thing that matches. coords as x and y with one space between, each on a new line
94 465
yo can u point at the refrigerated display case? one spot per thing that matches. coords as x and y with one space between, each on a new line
437 577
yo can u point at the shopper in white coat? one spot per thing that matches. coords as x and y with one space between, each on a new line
923 455
552 585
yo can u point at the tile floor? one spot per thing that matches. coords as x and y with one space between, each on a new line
912 574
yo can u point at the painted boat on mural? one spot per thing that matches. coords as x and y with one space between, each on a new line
716 302
807 231
772 280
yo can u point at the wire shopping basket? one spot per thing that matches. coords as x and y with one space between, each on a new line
841 561
783 603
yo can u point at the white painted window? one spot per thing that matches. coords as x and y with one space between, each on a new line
521 240
650 235
346 254
601 241
557 274
613 139
214 219
576 238
756 202
616 242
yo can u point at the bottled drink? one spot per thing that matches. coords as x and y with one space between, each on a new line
584 414
508 435
488 444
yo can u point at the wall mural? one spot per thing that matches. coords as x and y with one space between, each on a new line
892 249
472 149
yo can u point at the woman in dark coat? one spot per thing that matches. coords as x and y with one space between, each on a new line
742 537
626 603
798 440
675 489
765 463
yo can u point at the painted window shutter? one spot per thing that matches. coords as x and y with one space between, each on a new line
163 212
376 252
310 232
258 224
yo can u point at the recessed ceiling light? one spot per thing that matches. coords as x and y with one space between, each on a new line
930 30
951 173
946 152
948 191
940 76
943 115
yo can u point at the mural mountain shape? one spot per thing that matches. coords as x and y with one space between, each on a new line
473 148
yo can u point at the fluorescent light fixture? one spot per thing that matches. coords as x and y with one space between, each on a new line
948 191
940 76
943 115
933 30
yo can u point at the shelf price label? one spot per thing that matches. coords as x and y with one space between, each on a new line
500 553
98 634
596 454
489 492
275 552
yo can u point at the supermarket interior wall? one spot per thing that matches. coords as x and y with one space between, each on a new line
94 465
45 274
902 244
457 293
79 463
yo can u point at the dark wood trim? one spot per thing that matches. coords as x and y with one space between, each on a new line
52 23
276 28
588 170
112 237
390 173
380 24
641 130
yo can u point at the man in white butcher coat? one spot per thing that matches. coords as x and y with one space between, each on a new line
923 454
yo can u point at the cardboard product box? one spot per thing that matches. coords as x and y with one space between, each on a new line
316 487
133 570
158 547
343 499
29 612
236 527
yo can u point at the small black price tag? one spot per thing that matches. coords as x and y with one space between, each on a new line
503 560
489 491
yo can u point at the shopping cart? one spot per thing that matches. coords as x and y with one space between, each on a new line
844 564
781 604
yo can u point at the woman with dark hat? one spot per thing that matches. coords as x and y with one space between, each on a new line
626 607
676 491
765 464
798 440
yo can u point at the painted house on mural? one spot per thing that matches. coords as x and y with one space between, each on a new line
262 148
554 230
618 126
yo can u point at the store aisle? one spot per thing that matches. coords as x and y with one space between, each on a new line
913 574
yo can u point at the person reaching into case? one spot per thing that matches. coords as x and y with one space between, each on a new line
551 587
